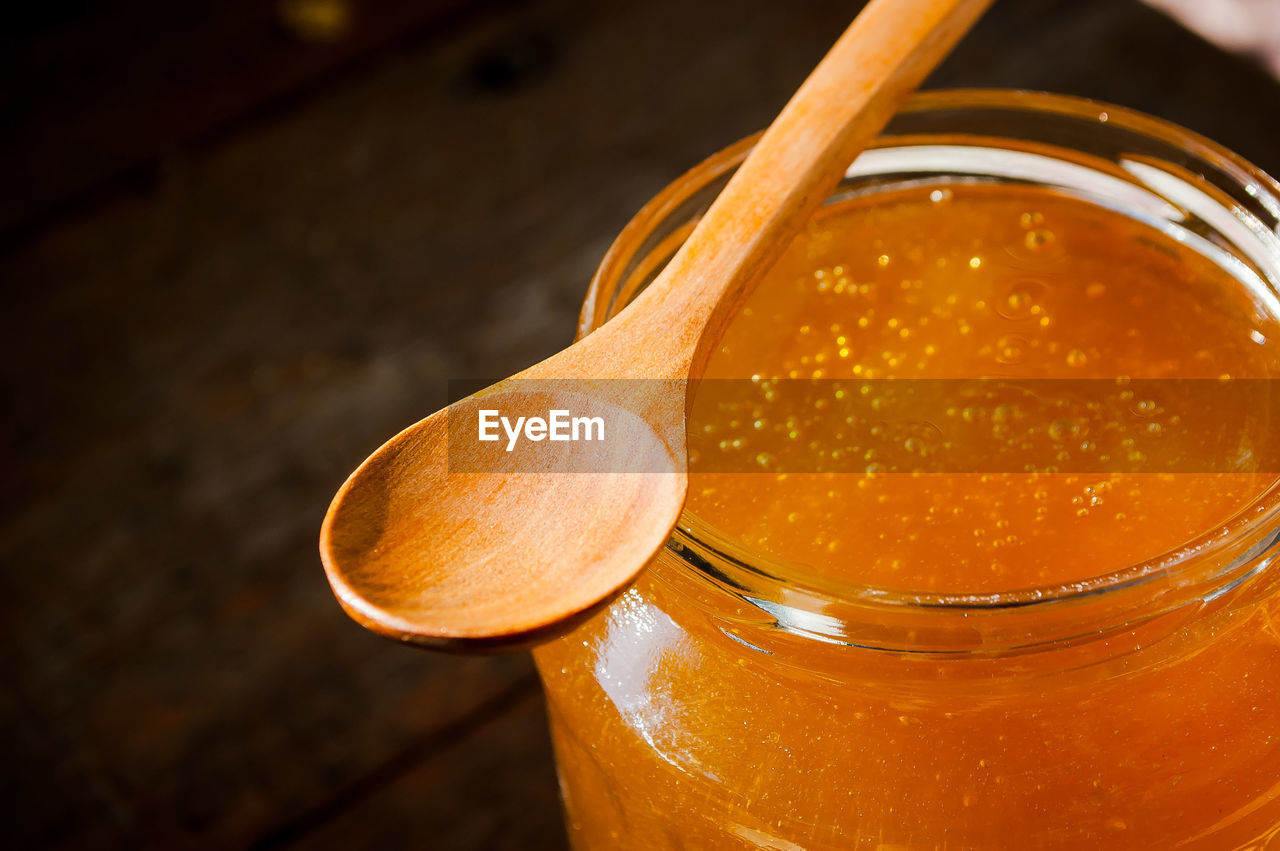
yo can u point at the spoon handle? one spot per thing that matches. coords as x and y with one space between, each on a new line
848 98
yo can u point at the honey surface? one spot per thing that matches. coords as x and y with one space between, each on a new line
968 282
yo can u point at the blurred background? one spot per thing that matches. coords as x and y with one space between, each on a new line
243 242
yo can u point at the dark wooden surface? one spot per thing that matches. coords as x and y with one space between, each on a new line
234 263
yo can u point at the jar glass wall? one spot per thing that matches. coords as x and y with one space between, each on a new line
731 699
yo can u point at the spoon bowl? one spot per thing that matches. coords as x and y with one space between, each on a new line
425 545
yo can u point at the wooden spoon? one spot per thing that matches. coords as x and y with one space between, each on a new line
441 540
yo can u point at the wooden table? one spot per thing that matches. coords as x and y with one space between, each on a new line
234 262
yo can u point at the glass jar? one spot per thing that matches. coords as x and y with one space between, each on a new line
727 700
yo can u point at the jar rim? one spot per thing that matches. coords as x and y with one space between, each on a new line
1226 555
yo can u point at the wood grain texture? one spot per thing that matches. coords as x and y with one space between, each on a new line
192 369
94 94
493 788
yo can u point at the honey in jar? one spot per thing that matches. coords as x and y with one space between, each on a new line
846 645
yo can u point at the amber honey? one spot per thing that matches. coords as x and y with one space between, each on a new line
994 283
876 654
